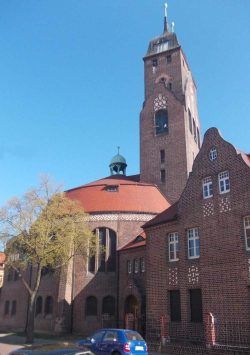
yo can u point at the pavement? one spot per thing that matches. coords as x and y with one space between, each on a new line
9 342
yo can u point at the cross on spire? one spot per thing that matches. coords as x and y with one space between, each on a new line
165 17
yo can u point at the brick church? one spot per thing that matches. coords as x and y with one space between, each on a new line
174 241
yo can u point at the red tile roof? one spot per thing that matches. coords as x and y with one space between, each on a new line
134 244
245 156
170 214
131 196
2 258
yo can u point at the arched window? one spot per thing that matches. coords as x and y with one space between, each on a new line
108 305
6 307
39 305
105 256
91 306
161 121
13 308
48 309
111 252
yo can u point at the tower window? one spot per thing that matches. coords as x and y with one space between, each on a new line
169 59
162 156
163 175
190 121
154 62
199 139
194 129
161 121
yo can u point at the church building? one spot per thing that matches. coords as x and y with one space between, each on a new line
173 241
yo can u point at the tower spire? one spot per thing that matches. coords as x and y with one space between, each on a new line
165 17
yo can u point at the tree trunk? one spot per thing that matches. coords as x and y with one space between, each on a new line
32 304
30 320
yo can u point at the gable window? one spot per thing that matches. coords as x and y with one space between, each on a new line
142 264
193 243
161 121
207 187
162 156
175 305
173 246
136 266
129 266
247 231
195 305
212 154
163 175
224 182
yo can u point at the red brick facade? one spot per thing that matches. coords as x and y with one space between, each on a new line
166 155
221 271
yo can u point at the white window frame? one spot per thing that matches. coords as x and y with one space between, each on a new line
247 227
136 266
173 241
207 187
213 154
193 236
224 182
129 266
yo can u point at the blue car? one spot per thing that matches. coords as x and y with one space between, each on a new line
115 342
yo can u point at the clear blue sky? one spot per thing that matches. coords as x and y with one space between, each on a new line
71 81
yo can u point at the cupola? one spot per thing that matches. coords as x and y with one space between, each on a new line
118 164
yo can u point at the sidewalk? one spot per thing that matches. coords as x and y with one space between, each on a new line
9 342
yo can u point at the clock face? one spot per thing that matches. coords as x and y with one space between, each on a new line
161 121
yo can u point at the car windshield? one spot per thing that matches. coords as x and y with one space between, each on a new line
130 335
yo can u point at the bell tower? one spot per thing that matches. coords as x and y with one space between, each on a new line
169 120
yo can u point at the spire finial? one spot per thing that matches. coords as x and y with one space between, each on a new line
165 17
166 7
118 148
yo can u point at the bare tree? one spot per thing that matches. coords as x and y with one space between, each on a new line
43 229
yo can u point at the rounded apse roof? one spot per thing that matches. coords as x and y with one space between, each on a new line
119 194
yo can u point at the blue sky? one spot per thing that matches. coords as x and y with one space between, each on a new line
71 86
